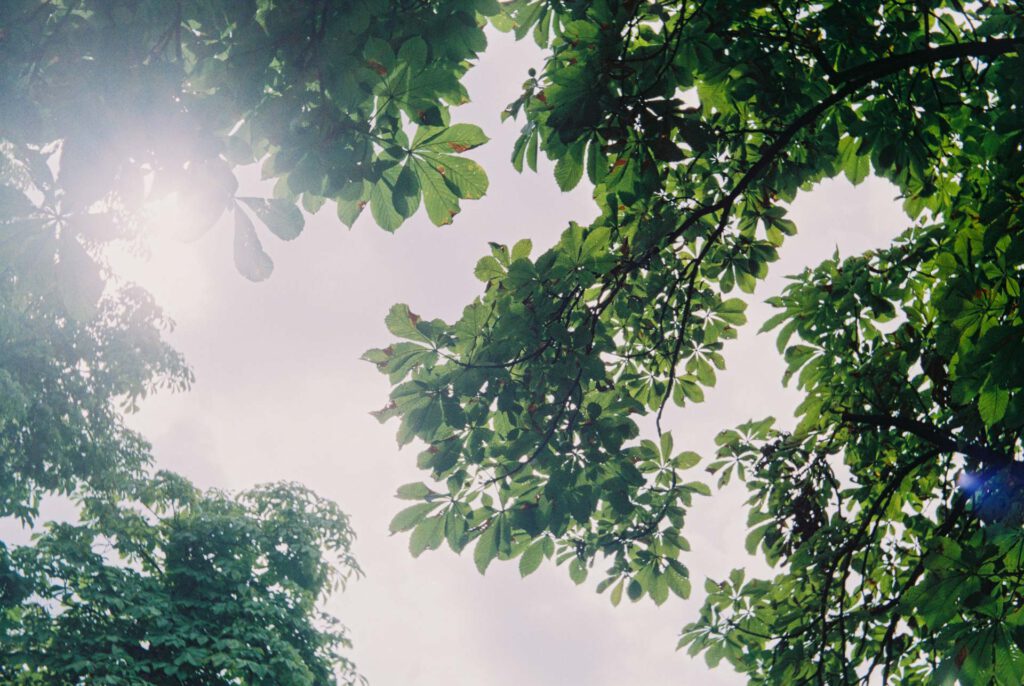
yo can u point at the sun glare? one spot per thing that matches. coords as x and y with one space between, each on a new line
163 259
162 215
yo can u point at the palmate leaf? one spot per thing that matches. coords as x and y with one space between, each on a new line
444 178
431 174
416 85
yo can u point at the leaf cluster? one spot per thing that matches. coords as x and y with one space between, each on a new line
160 583
340 101
697 124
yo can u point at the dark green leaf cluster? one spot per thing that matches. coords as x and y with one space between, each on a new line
893 510
161 584
104 107
342 101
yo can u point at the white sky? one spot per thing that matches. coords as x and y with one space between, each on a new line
281 395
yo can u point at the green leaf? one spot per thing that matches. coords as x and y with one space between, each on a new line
677 582
521 250
282 217
666 444
383 204
441 203
413 54
856 167
774 321
488 269
698 487
455 530
250 260
406 192
457 138
531 149
569 168
519 152
378 51
755 536
616 594
411 516
577 571
532 557
428 535
414 491
992 404
732 311
402 323
659 589
465 177
597 163
686 460
486 546
689 390
351 201
424 422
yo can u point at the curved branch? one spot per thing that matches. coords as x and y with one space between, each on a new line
934 435
877 69
853 80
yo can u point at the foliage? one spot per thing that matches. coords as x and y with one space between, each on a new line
892 510
339 100
209 589
72 356
156 582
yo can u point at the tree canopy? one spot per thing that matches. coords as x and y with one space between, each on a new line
891 511
154 581
206 589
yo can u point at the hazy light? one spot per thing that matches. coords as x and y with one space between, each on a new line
163 260
165 215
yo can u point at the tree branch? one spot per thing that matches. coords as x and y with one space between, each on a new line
880 68
934 435
852 80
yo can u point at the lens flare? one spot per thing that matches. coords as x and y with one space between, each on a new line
969 483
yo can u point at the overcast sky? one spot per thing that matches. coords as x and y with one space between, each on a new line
281 395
